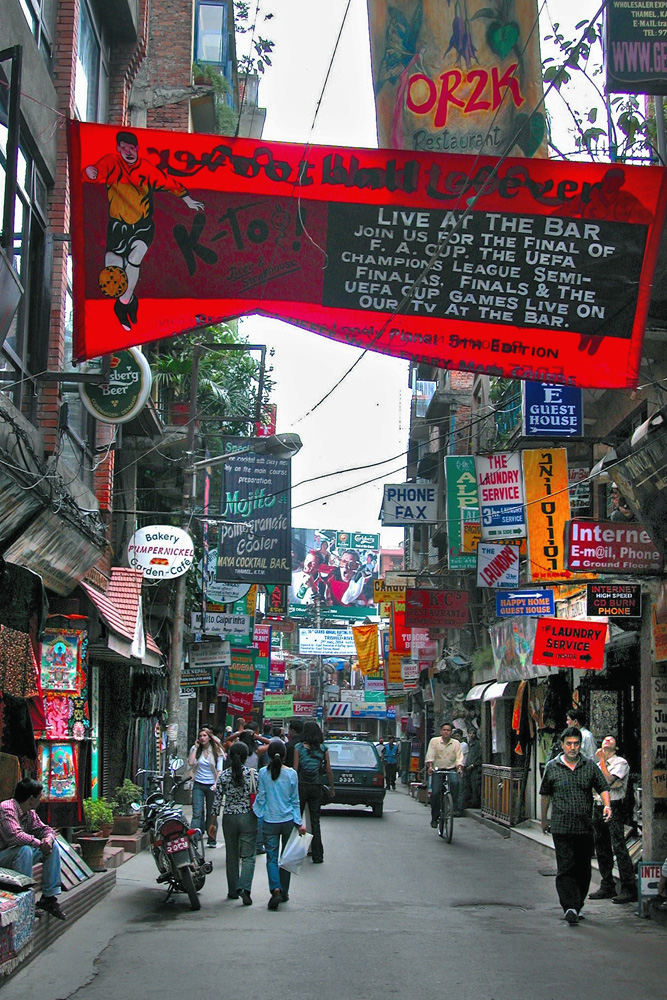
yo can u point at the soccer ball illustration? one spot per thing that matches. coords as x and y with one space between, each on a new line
112 281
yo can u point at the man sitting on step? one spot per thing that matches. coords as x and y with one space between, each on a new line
24 839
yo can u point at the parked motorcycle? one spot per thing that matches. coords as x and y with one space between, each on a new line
178 849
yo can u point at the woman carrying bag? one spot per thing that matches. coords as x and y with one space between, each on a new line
277 803
238 786
311 762
205 759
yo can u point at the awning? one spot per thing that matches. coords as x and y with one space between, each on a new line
496 690
475 693
120 609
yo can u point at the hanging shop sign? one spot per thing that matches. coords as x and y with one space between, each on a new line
126 392
326 642
407 503
203 655
255 531
500 489
193 676
525 602
453 84
220 623
552 411
261 641
161 551
610 547
546 487
382 249
641 476
635 55
436 608
383 592
563 642
276 598
218 593
366 645
614 600
461 496
497 565
471 529
304 709
278 706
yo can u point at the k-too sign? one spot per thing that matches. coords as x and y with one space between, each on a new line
562 642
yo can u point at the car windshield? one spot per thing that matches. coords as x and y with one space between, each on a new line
352 755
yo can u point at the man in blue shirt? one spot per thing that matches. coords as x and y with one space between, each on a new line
390 760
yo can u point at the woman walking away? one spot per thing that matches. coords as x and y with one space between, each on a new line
277 803
206 758
237 785
311 762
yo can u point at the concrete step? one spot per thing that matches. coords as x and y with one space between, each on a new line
133 844
114 857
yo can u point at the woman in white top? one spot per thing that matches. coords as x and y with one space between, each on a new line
206 758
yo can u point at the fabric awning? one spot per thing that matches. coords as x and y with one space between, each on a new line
475 693
495 690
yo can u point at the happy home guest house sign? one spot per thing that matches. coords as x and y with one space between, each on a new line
380 249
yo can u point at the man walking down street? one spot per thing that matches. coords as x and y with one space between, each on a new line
610 837
568 783
473 772
389 754
444 754
576 718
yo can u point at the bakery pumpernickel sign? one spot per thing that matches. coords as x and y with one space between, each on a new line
505 267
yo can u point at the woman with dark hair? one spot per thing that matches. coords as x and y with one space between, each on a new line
312 764
237 785
206 758
277 803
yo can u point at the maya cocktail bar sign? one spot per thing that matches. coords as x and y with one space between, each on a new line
501 267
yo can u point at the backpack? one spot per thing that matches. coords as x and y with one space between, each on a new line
311 763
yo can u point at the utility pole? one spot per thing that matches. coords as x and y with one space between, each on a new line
178 627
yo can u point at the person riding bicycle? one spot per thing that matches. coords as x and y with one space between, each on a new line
444 754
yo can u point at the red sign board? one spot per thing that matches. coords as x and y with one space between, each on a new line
614 600
304 709
436 608
610 547
505 267
569 642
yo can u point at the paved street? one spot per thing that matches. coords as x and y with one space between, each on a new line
394 911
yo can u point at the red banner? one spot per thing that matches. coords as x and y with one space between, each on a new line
507 268
567 642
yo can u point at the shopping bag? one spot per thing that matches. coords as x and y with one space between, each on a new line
295 851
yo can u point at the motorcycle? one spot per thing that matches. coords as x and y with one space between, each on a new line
178 850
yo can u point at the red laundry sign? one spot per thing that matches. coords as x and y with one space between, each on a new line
436 608
499 267
569 642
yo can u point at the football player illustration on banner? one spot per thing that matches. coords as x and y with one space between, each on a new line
130 182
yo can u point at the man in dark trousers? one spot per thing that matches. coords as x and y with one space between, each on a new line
610 837
472 771
389 756
568 783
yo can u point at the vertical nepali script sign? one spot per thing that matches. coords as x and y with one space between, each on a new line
393 251
500 490
547 511
460 497
458 77
254 535
635 50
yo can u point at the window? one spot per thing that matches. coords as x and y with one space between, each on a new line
39 15
75 448
91 86
211 42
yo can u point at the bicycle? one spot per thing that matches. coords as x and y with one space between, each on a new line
446 819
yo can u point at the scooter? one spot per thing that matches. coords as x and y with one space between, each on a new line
178 850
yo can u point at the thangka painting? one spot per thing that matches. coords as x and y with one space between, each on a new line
57 771
60 660
67 712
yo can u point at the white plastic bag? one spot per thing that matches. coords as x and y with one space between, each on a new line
295 851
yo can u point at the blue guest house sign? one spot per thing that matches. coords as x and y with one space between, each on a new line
552 411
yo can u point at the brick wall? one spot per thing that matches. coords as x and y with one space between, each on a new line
170 60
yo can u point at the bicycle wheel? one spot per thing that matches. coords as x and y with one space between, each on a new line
446 822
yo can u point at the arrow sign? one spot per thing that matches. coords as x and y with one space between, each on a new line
524 602
568 642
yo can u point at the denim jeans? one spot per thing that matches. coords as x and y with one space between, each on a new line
202 805
312 794
21 859
273 834
455 787
240 833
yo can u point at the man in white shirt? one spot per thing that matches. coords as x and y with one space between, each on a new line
610 837
444 754
576 718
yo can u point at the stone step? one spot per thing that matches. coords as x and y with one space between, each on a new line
133 844
114 857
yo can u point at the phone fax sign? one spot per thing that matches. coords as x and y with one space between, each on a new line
407 503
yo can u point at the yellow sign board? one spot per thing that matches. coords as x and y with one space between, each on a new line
381 592
472 535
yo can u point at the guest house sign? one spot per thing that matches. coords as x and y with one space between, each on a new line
467 262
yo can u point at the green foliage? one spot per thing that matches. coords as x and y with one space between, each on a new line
482 658
262 48
97 813
123 797
608 128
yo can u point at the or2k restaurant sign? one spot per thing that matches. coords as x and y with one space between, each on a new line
610 547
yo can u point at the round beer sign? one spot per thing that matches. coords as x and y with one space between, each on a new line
126 392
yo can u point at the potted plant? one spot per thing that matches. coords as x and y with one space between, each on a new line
98 816
126 820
